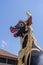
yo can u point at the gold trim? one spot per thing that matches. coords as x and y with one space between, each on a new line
29 52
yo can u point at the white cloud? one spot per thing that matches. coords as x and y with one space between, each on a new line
3 44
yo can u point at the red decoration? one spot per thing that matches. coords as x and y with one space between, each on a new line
12 29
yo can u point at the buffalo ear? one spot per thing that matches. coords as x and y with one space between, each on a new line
29 21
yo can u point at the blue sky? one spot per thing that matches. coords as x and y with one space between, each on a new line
11 11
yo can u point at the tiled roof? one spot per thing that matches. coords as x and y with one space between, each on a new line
7 54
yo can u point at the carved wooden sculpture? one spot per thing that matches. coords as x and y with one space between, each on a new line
30 52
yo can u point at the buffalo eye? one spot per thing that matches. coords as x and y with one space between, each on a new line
21 24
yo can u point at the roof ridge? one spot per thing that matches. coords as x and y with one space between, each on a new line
7 53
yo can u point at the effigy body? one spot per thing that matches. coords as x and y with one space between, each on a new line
30 53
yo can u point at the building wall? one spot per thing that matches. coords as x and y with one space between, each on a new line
7 61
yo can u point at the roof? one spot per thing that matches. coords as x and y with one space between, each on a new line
7 54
